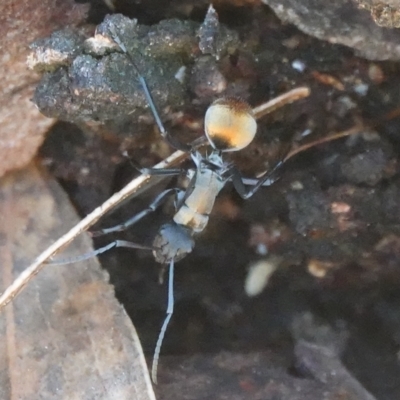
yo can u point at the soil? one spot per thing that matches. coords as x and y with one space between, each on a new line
331 222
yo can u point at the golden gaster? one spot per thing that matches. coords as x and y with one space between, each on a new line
230 124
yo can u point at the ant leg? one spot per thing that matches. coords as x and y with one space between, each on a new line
254 181
137 217
170 311
266 180
101 250
156 171
164 133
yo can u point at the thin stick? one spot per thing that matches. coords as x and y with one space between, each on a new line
334 136
280 101
357 128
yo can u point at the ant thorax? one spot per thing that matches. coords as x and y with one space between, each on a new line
198 204
215 159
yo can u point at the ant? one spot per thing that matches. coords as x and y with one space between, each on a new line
229 125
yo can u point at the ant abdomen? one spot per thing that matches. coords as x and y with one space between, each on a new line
172 243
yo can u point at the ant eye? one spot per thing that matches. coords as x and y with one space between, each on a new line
230 124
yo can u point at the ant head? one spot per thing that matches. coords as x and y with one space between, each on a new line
230 124
172 243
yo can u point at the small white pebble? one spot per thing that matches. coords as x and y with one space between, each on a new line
361 89
297 185
259 274
262 249
305 133
298 65
181 74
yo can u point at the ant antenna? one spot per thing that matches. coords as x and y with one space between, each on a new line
164 133
170 311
